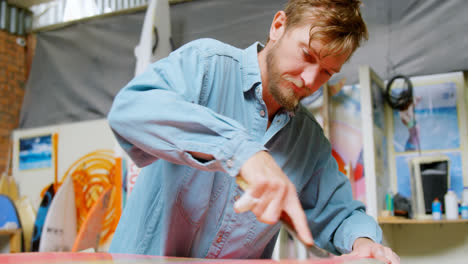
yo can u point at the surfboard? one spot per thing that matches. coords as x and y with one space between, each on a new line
155 37
3 184
27 214
13 188
90 231
59 231
107 258
40 218
9 218
8 186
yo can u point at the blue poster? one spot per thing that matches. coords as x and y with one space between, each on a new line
433 125
35 152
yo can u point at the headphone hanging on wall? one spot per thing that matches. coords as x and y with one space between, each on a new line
404 99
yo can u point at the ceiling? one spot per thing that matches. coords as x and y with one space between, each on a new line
27 3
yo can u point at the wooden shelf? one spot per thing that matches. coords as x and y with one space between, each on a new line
401 220
9 232
15 239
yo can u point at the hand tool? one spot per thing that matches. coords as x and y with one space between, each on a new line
286 221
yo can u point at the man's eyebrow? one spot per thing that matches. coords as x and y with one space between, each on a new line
310 49
335 70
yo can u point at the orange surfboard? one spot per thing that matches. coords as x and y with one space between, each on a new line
90 231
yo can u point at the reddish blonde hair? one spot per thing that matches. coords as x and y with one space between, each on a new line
338 23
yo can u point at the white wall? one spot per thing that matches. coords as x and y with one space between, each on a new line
74 141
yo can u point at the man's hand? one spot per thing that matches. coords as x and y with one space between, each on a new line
269 193
366 248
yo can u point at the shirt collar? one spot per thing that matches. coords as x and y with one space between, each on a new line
250 67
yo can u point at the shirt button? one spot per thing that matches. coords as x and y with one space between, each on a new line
220 238
262 113
229 163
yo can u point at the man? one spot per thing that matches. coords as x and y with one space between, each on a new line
209 112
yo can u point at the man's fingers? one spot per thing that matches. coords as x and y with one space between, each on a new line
272 212
299 220
366 248
379 255
245 203
274 203
259 208
385 254
264 178
392 256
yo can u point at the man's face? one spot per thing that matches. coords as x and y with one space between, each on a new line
295 70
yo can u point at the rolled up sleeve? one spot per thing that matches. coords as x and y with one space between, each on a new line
159 115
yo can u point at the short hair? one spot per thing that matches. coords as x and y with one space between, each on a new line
338 23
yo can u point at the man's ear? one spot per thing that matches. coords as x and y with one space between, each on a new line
278 26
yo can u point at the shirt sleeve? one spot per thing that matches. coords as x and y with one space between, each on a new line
159 115
335 219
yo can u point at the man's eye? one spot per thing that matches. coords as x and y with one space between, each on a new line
306 54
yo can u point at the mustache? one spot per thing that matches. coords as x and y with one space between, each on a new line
297 82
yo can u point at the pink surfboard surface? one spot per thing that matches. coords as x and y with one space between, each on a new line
106 258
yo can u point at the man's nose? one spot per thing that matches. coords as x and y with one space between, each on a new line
309 75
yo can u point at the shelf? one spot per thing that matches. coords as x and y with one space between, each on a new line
9 232
401 220
15 239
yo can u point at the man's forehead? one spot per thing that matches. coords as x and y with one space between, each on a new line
320 48
329 58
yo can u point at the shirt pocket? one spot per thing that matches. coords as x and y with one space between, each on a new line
258 234
194 194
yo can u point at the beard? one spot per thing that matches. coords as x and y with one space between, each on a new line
285 97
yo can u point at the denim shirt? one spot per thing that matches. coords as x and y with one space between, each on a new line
207 97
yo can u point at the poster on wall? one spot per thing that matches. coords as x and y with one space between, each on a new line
346 136
345 133
35 152
435 122
404 173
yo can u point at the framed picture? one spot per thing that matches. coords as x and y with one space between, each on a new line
438 126
35 152
435 120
